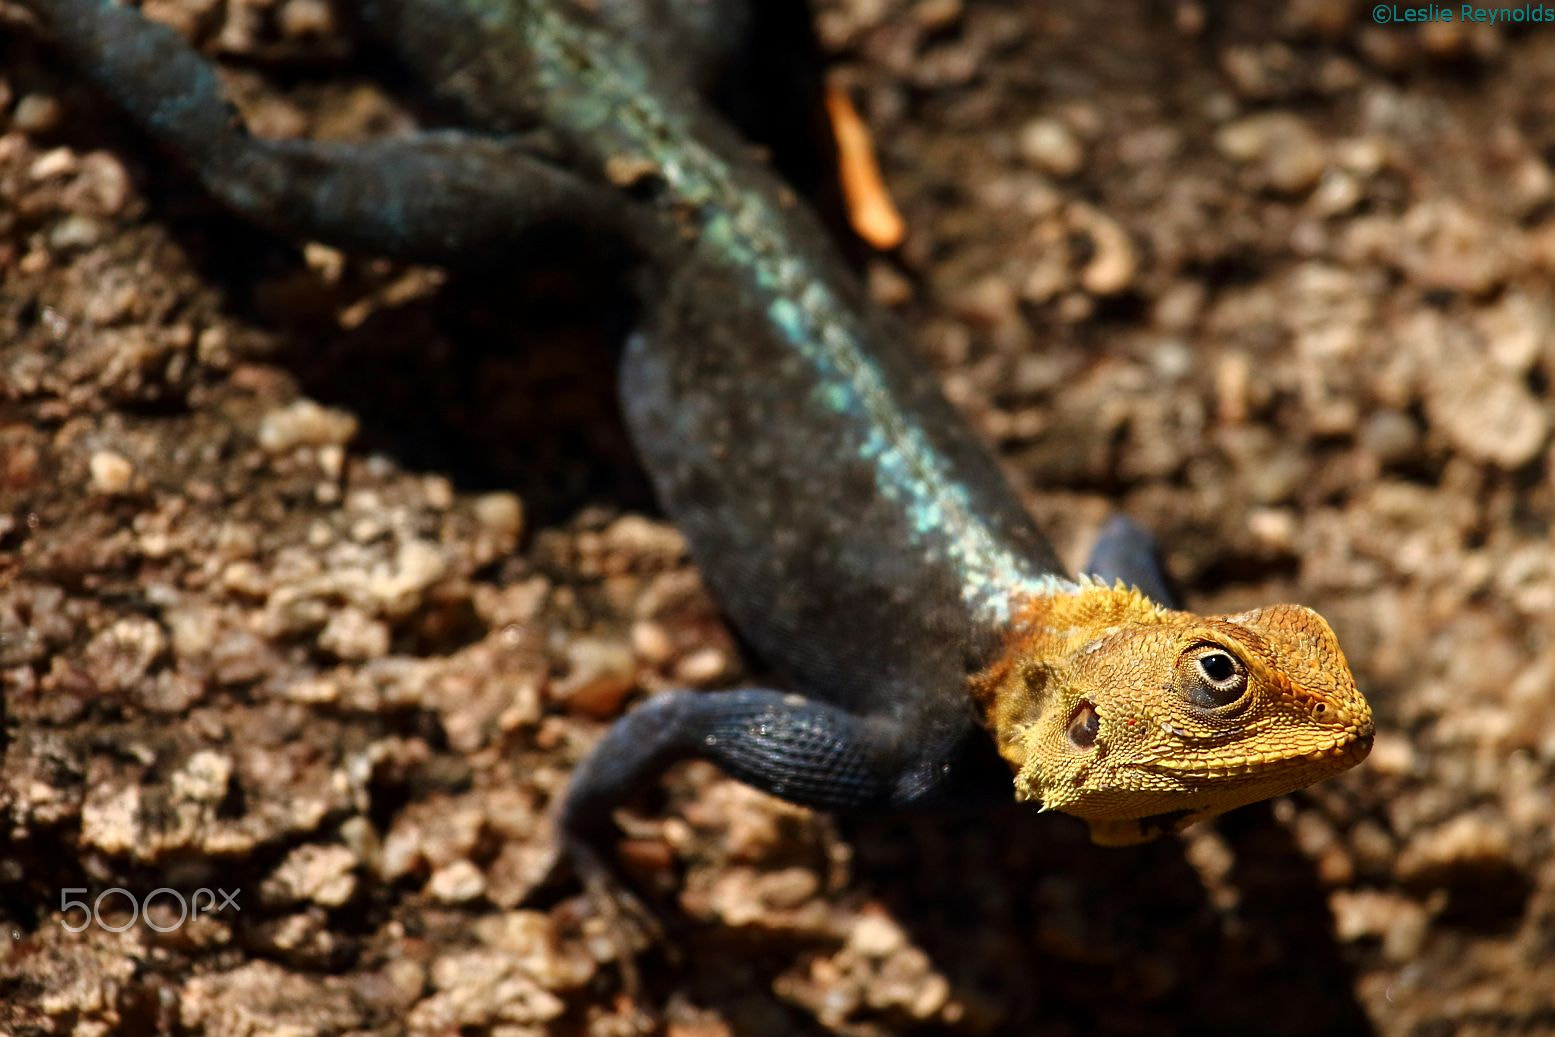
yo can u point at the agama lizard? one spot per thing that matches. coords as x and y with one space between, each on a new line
843 514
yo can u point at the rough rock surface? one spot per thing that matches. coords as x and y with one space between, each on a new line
318 574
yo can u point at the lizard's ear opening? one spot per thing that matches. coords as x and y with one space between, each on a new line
1084 725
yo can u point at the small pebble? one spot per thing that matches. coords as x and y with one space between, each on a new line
37 113
75 232
1488 414
204 777
50 164
456 883
1049 146
305 423
1180 305
502 513
111 473
1232 377
704 666
876 936
316 872
1172 359
1260 72
887 286
1337 192
350 634
652 642
1111 269
1390 436
1401 924
301 18
1274 528
1329 19
601 673
1289 154
937 15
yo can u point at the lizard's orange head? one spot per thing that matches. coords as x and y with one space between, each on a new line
1142 720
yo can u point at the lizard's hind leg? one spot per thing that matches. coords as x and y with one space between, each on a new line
443 197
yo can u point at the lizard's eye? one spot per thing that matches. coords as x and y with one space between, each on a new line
1216 678
1084 725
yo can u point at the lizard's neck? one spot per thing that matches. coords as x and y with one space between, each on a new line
1048 629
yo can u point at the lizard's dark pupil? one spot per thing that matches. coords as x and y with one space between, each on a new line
1218 667
1084 725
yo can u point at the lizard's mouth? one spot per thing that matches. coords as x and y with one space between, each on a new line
1345 752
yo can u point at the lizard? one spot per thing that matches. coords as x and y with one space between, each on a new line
846 518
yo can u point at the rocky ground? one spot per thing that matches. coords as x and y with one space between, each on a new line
318 574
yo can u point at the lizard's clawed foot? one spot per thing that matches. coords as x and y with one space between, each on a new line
617 916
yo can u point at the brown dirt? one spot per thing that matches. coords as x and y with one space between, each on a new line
1273 278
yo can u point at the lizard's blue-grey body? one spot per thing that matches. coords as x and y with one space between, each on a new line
843 514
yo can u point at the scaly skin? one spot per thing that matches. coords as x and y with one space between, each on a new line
850 524
1168 747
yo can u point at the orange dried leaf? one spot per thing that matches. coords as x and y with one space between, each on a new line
873 214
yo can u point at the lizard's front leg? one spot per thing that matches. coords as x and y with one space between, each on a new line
806 751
